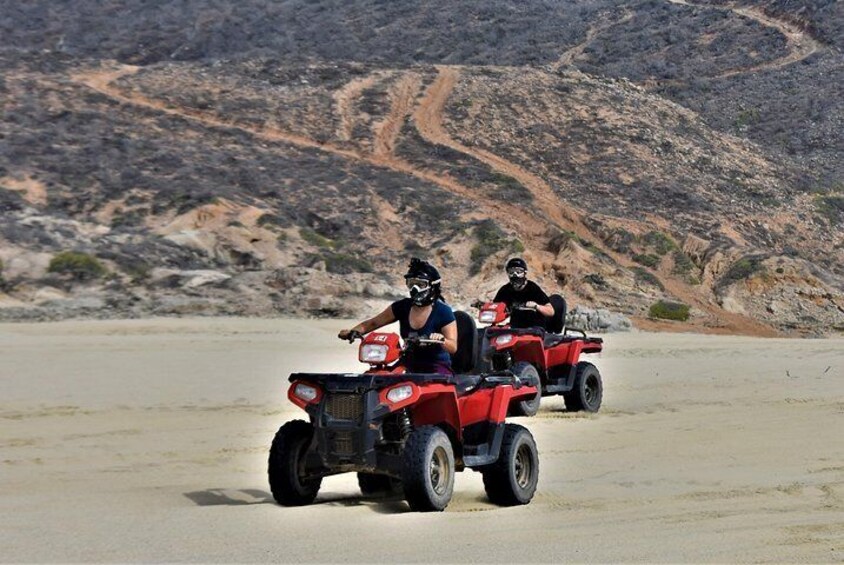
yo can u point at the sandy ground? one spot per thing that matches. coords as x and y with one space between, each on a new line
147 441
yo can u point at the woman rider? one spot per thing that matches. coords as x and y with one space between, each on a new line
423 315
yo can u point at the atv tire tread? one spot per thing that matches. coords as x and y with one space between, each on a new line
500 480
576 399
416 482
287 487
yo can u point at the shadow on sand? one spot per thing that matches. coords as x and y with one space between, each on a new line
243 497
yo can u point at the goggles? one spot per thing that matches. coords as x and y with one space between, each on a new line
418 284
517 272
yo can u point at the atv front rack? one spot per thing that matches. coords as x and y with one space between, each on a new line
362 382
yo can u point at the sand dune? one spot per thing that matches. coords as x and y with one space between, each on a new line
147 440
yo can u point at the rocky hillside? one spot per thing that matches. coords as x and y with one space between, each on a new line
287 158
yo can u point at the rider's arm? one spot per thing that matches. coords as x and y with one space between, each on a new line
541 302
449 334
372 324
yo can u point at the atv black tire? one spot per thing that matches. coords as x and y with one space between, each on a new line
528 374
428 469
588 389
372 485
512 479
285 469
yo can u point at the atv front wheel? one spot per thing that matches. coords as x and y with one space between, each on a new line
512 479
588 389
371 484
528 374
428 469
288 482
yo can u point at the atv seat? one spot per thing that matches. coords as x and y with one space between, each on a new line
466 383
464 359
551 340
557 322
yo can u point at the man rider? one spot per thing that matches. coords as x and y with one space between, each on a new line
521 292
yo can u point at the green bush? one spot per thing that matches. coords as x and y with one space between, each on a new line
682 264
743 269
661 242
266 220
511 187
316 239
831 207
80 266
596 280
664 310
130 219
490 240
647 259
645 276
559 240
342 263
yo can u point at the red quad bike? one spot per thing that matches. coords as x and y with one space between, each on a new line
547 358
406 433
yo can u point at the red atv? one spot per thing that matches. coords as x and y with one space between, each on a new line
406 433
548 358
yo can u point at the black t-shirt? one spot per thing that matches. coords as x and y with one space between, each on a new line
523 318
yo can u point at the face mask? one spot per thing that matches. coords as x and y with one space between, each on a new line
518 277
421 297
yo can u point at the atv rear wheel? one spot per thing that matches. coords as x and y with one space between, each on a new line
588 389
288 482
428 469
371 484
512 479
528 374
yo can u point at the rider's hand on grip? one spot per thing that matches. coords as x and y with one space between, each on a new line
349 335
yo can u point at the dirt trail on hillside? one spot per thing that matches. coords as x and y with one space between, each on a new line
568 57
517 219
530 223
429 121
344 100
403 96
800 43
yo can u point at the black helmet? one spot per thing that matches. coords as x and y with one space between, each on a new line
423 282
517 272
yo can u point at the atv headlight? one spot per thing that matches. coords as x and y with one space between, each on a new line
373 353
503 339
487 316
305 392
400 393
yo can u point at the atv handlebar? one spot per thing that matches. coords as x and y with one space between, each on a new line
353 335
416 340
